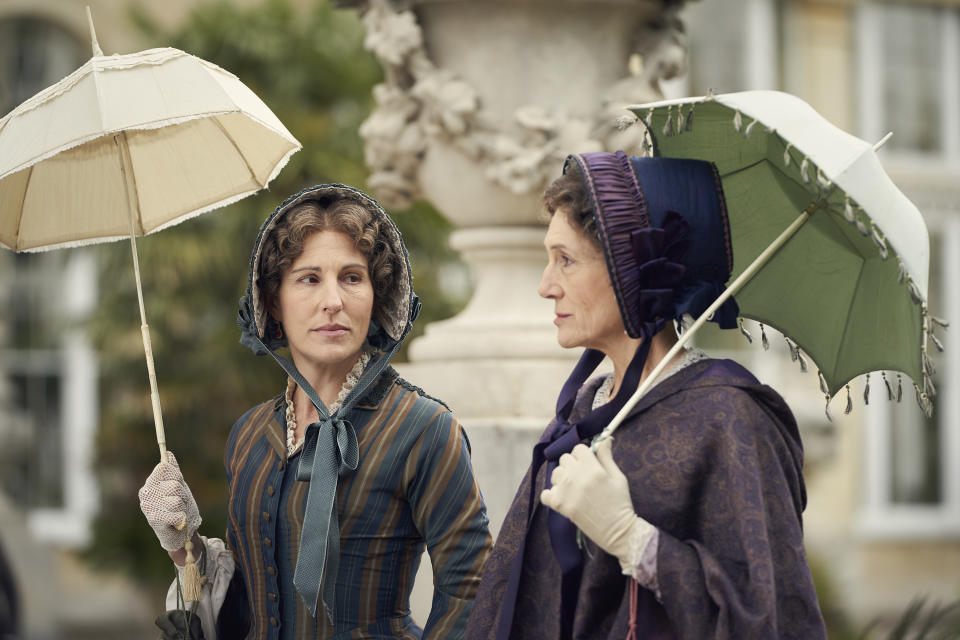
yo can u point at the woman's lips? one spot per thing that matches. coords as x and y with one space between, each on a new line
331 330
560 317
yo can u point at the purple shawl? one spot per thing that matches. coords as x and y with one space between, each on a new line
715 462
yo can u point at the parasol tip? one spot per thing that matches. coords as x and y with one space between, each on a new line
883 140
97 51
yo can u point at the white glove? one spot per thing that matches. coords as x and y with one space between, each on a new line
166 501
592 492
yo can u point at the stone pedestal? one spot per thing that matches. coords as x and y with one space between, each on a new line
482 102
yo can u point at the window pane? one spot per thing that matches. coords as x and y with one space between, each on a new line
913 68
716 41
34 54
915 458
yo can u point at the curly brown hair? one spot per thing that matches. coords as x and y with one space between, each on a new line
569 194
284 243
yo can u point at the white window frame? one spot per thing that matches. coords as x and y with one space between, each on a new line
879 517
75 362
760 55
870 64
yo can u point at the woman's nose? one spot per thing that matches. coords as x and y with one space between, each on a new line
548 287
330 299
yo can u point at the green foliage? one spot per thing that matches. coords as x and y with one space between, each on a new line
836 621
312 71
922 620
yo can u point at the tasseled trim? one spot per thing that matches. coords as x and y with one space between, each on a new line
886 383
914 292
823 384
848 211
668 123
866 391
786 155
822 180
862 227
795 354
737 120
880 240
743 330
763 338
749 129
803 170
899 387
849 406
688 126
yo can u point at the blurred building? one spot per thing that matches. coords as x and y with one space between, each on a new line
883 516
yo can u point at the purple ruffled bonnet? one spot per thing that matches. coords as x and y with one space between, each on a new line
665 236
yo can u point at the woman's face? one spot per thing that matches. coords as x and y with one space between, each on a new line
577 281
325 301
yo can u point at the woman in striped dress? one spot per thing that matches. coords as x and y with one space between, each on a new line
338 483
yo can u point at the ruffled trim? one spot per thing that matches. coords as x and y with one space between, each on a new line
620 210
687 358
641 560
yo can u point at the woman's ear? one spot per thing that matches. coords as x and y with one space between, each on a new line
273 308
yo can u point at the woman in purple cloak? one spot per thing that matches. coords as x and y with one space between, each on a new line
687 524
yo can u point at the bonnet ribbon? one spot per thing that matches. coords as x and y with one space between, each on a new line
560 438
330 450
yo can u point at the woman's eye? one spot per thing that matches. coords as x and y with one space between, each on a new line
309 279
564 261
353 278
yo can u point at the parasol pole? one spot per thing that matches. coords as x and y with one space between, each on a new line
119 139
735 286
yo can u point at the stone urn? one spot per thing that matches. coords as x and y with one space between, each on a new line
483 100
481 103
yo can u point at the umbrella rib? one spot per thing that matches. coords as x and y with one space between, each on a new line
744 168
846 324
26 187
216 120
125 159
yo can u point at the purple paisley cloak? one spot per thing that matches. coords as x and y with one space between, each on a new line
714 461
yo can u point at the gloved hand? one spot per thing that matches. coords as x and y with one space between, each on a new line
592 492
166 501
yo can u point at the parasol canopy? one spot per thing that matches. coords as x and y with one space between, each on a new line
826 248
131 144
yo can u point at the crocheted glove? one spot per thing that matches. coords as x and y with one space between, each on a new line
592 492
166 501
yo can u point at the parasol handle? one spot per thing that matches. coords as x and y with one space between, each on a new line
735 286
128 185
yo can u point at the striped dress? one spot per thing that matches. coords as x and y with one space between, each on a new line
414 488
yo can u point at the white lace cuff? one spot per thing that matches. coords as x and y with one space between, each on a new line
219 570
641 561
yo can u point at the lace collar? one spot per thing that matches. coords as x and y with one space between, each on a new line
687 358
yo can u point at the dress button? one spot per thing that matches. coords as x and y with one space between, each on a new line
271 571
266 541
269 491
272 596
273 621
266 516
